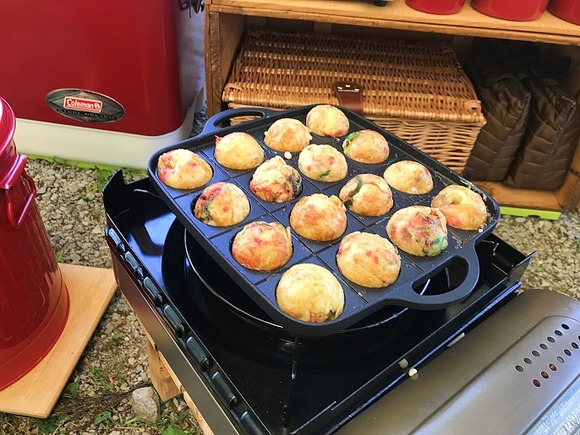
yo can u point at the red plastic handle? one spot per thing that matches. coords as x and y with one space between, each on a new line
10 209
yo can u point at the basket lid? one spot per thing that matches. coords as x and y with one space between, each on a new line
402 78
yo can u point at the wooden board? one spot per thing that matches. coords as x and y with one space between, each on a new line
90 290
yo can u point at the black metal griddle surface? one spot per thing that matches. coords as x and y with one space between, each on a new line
360 302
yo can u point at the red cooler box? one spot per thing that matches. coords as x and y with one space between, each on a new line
93 81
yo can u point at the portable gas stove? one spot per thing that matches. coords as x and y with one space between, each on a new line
518 361
498 361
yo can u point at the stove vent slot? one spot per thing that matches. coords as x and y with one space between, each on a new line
250 424
559 346
116 240
225 390
175 321
153 291
133 263
198 354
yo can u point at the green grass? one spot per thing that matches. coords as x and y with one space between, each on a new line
61 255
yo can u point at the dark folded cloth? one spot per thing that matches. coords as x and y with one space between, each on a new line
533 122
505 106
547 149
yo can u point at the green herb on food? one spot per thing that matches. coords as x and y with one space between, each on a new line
359 183
349 140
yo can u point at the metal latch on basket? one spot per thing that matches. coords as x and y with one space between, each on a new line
350 95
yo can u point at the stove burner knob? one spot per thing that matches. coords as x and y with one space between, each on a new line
404 363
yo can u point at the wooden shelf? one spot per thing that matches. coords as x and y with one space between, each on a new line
397 15
227 20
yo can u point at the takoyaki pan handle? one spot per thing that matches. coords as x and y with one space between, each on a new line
222 119
408 297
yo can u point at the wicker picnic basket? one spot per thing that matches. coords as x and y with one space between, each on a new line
415 89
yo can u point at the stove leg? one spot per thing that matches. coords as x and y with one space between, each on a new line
160 376
167 384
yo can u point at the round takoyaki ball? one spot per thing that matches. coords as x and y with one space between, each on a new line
221 204
409 177
322 163
327 120
310 293
366 146
418 230
183 169
287 134
276 181
368 260
319 217
238 150
367 195
262 245
463 208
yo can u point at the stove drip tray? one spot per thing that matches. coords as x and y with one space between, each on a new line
244 372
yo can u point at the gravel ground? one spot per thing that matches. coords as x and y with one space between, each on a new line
114 362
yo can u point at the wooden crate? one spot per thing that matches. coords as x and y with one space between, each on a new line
414 88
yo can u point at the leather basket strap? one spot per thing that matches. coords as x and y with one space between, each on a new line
350 95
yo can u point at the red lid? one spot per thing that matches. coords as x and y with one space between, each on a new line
515 10
440 7
568 10
10 162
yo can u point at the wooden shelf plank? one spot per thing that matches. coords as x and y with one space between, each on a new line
525 198
397 15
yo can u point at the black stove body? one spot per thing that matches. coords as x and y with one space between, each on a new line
245 374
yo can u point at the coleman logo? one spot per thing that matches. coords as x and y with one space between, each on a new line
84 104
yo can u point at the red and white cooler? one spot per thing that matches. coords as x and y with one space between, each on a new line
95 81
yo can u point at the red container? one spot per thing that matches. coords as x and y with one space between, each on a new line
34 301
439 7
108 65
568 10
515 10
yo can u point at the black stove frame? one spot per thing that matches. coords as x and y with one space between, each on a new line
247 382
